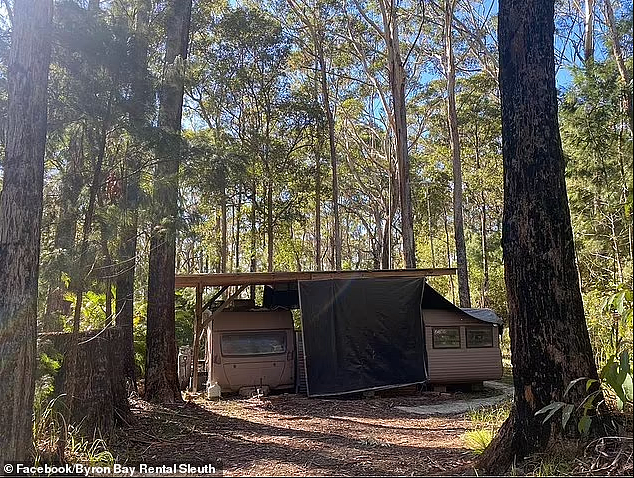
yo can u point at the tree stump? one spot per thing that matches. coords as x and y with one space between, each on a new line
101 399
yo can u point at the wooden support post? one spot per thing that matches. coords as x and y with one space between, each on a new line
197 328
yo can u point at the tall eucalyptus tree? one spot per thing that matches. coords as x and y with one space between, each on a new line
20 220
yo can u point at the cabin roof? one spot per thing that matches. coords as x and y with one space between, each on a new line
432 299
485 315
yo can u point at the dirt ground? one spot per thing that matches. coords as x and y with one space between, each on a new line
291 435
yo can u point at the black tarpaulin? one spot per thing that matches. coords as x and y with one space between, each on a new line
362 334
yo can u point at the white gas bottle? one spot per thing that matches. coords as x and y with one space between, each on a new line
213 391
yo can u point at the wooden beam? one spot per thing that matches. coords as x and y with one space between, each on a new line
265 278
210 302
222 307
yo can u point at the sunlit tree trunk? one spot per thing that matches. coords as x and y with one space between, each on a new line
484 299
20 221
315 27
617 51
448 249
161 380
588 32
224 247
397 86
238 217
454 138
269 227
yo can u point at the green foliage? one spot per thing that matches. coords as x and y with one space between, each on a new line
615 378
49 426
91 453
486 422
139 332
48 423
491 417
185 310
478 440
48 365
599 174
554 465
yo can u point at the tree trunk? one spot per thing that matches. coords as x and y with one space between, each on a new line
269 226
617 51
78 283
588 32
101 395
161 378
392 201
106 271
484 296
20 221
66 230
550 345
431 232
454 138
397 87
130 198
253 260
238 216
333 152
224 247
124 299
448 248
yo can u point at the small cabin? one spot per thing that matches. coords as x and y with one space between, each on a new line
462 348
462 344
251 350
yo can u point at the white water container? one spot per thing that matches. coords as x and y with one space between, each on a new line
184 366
213 391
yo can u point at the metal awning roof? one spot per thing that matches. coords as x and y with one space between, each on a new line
269 278
484 314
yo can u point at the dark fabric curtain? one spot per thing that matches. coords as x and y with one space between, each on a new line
362 334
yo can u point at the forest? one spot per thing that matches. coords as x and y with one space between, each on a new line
224 136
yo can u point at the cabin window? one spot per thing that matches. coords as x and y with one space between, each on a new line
254 343
479 337
446 338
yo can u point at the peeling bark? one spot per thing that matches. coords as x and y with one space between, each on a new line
397 77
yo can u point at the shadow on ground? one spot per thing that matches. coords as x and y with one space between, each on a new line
293 435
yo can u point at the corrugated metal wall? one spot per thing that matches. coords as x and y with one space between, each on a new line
300 386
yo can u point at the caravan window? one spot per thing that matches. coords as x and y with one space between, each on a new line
479 337
446 338
253 343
